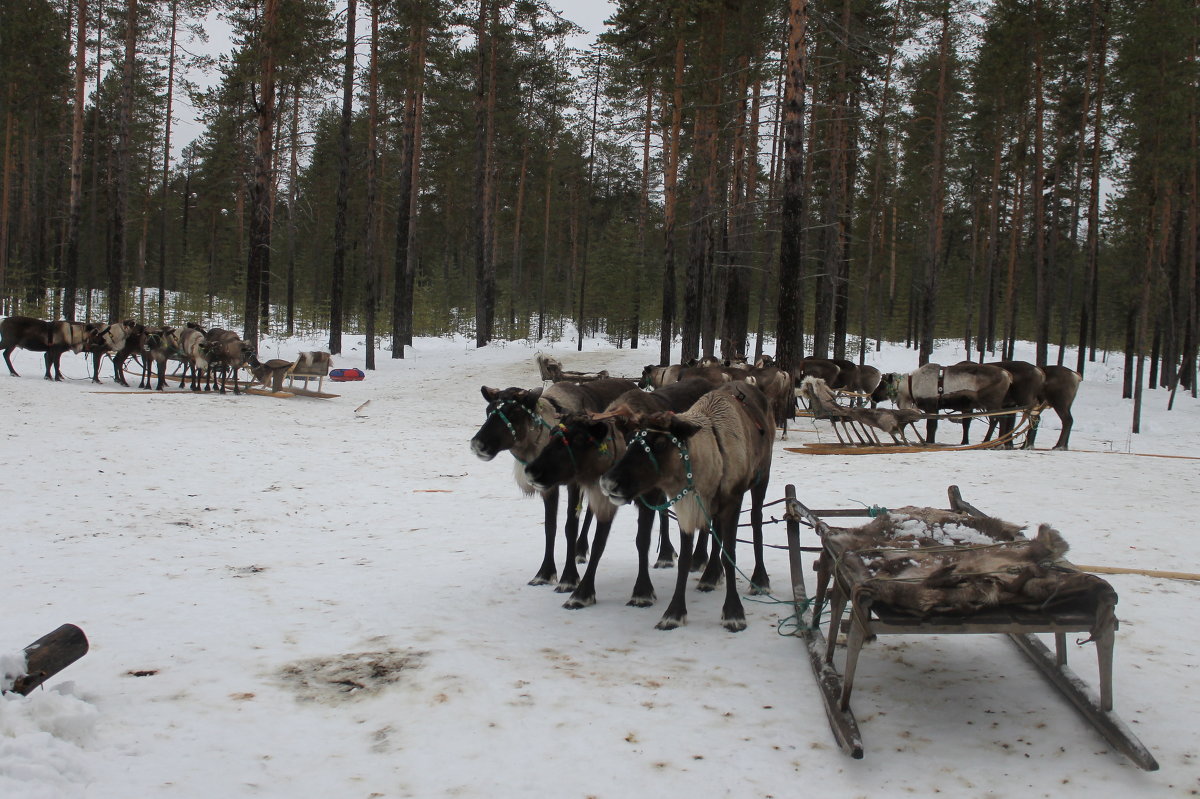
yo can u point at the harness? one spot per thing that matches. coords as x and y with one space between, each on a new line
499 411
639 438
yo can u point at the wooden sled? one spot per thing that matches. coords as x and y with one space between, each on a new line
291 391
867 618
870 443
552 371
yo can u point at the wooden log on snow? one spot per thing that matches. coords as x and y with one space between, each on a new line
49 655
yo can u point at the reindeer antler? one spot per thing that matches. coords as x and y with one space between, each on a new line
622 411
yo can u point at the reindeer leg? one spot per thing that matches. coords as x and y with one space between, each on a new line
547 572
733 615
570 574
676 612
760 583
699 557
585 593
710 578
8 362
581 543
666 552
643 589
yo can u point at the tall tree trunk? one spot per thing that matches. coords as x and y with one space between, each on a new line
671 145
1090 303
934 246
372 187
116 264
293 190
1041 302
485 267
6 189
337 285
587 221
259 260
166 169
408 191
790 332
75 209
643 218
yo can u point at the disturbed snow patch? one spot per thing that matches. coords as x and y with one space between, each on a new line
353 674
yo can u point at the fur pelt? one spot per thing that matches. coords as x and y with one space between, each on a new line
924 561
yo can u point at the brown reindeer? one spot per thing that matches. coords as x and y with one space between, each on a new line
963 387
704 461
520 421
582 447
227 354
1062 384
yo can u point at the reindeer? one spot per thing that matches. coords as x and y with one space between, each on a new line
1028 384
704 460
227 354
520 421
963 387
582 447
1062 384
35 335
159 345
121 340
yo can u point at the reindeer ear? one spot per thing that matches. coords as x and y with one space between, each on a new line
530 397
489 394
682 428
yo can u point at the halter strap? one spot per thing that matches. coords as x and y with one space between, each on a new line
640 438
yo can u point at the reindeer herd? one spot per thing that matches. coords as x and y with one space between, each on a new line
694 439
212 354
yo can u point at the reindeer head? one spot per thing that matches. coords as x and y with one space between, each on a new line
579 447
512 417
656 458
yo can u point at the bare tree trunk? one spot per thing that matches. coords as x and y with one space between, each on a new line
166 169
337 285
1090 304
116 263
1041 289
934 247
372 186
671 198
485 268
587 221
293 186
75 209
259 260
790 333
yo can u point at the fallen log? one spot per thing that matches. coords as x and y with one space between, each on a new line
49 655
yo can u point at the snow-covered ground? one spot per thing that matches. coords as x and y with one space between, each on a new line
258 558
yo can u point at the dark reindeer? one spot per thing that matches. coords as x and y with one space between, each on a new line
227 354
121 340
159 345
35 335
1053 386
1062 384
963 387
520 420
581 448
1028 385
704 460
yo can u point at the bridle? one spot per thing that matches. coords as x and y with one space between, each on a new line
639 438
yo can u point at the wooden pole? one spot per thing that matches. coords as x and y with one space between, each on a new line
49 655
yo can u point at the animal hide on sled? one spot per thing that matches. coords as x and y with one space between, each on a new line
925 561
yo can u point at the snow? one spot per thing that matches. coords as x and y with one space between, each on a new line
331 604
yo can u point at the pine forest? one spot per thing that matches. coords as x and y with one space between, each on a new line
700 173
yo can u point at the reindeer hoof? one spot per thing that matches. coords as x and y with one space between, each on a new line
566 586
670 623
706 586
641 601
734 625
665 562
544 579
577 602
